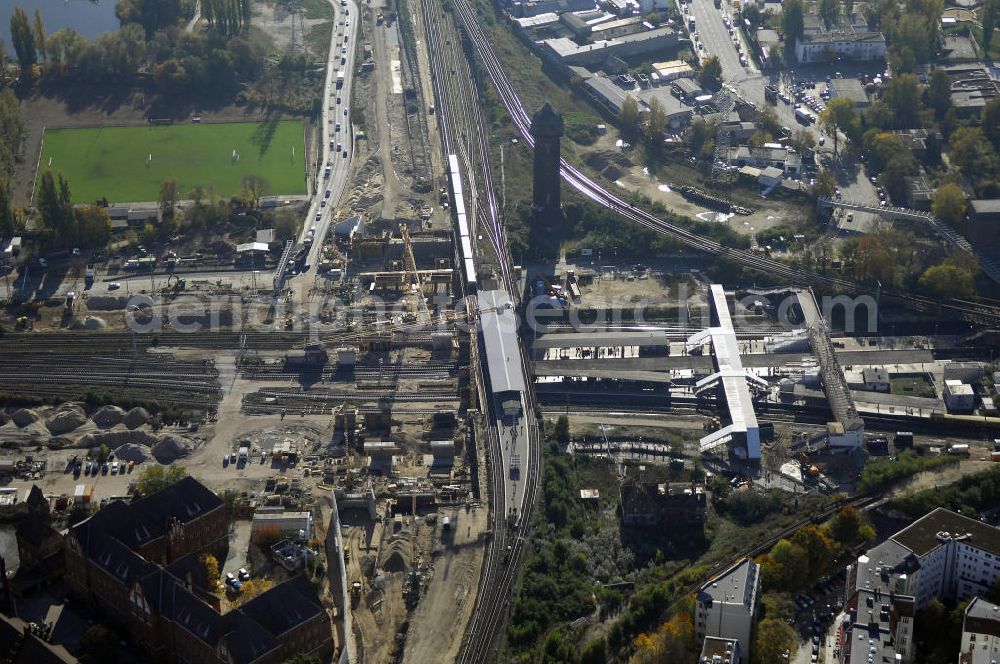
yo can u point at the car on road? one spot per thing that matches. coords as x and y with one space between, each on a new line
322 203
343 50
114 285
345 154
822 140
305 267
337 127
327 194
339 100
319 215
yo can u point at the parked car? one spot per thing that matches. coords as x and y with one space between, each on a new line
243 574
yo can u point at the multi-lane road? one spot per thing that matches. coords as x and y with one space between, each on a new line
336 127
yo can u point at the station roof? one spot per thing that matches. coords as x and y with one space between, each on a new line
499 327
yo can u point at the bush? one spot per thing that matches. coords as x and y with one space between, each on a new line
880 473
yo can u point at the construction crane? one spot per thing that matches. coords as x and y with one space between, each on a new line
410 264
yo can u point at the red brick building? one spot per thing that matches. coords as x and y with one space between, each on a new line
140 563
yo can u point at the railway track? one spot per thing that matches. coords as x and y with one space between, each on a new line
975 313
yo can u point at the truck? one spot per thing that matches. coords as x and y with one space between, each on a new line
340 79
771 94
89 276
961 448
803 116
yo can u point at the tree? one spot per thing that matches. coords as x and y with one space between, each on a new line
22 38
839 115
825 185
971 152
710 75
774 638
792 20
656 124
786 567
628 118
252 187
39 29
903 97
211 565
989 20
829 10
949 204
938 92
93 226
560 432
595 652
775 57
821 551
803 141
759 138
168 197
155 477
7 220
991 121
251 589
850 527
872 262
56 208
947 280
674 641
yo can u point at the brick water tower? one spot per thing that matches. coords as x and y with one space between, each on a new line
547 129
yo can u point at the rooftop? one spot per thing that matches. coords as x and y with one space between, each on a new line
499 328
986 206
930 531
734 586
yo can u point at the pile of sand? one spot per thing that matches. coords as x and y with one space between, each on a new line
65 418
107 416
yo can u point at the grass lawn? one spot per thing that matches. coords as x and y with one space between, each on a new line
112 162
912 386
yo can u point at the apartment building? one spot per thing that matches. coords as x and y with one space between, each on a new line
726 606
140 563
980 633
943 554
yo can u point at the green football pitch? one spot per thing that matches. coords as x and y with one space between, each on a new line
127 164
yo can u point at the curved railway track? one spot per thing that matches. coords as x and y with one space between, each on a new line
972 312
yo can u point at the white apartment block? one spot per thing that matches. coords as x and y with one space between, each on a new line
726 606
980 633
857 46
942 554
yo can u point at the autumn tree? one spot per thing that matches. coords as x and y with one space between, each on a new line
971 152
674 641
871 261
786 567
211 565
155 477
839 116
947 280
774 638
820 549
948 204
849 527
93 226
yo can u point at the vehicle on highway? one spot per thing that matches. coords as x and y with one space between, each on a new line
345 154
337 127
319 215
327 194
339 147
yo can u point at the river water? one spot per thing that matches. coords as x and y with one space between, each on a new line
89 18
